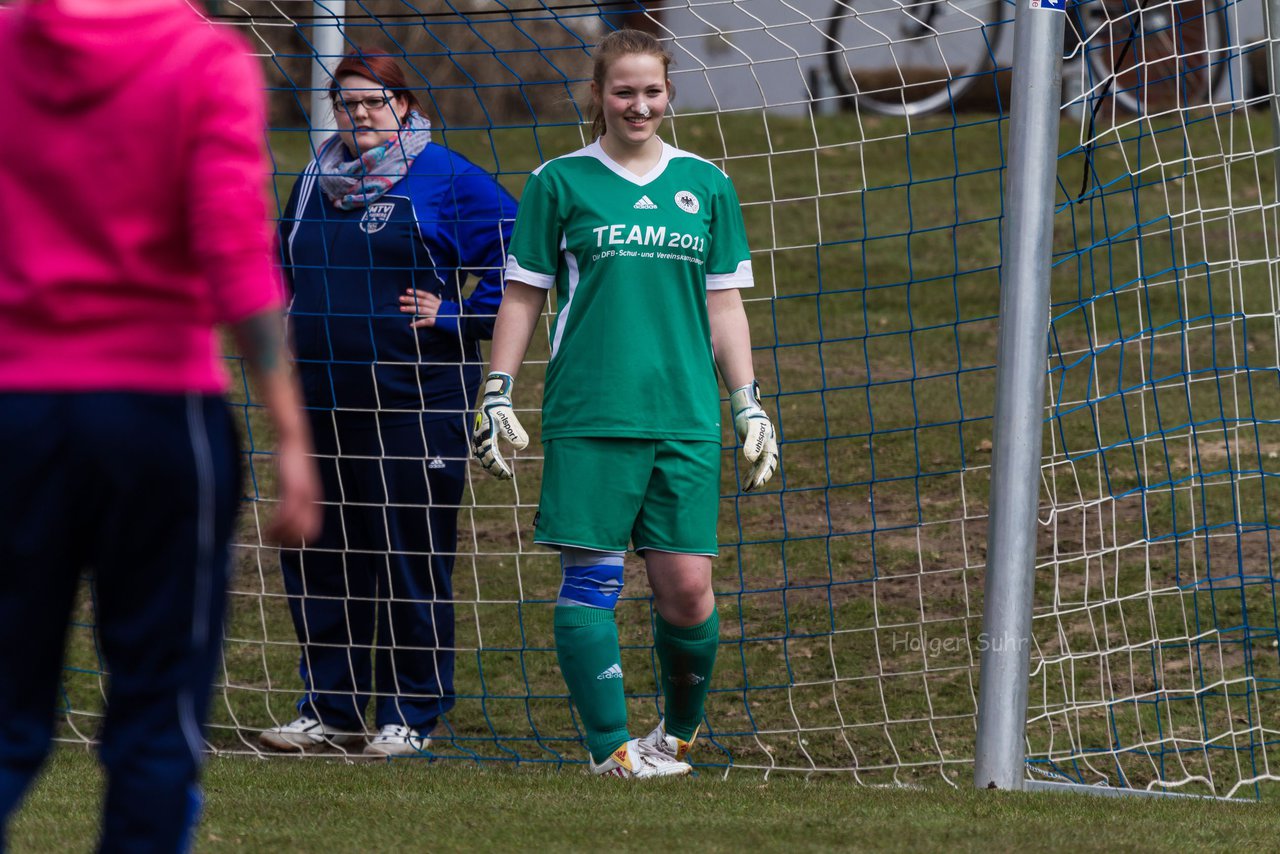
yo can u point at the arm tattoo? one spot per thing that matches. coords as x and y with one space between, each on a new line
261 341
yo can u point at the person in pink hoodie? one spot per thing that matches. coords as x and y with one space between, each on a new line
133 222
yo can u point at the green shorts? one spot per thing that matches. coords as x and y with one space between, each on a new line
601 494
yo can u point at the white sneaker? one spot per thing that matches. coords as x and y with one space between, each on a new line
639 760
306 733
397 740
676 748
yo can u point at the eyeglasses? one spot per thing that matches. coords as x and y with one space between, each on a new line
371 104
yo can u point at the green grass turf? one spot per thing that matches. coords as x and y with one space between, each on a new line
416 806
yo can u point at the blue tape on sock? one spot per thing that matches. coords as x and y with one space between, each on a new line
591 579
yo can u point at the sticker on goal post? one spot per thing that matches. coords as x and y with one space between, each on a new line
1056 5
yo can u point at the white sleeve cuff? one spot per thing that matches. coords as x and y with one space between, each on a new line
739 278
515 273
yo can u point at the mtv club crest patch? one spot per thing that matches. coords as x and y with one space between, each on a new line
376 217
687 202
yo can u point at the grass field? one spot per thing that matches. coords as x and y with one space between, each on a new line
415 806
850 593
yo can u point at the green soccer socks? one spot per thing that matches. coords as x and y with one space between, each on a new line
687 655
591 663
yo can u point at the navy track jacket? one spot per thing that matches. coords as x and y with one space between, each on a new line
445 221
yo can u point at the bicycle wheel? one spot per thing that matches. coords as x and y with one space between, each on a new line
1162 55
910 57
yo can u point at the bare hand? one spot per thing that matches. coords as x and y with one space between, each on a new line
423 305
299 514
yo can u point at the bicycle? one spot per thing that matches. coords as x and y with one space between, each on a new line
913 57
904 58
1151 56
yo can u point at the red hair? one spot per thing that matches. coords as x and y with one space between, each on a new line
382 69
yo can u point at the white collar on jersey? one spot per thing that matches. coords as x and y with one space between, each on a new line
597 151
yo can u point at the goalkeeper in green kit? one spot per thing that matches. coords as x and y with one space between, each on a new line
645 247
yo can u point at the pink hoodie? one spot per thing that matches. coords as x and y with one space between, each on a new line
133 208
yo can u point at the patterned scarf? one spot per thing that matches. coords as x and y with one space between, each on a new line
352 184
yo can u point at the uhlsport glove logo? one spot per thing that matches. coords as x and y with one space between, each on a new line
755 431
495 417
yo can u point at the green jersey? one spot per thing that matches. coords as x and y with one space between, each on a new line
631 259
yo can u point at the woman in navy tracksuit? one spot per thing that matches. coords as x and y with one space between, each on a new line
380 234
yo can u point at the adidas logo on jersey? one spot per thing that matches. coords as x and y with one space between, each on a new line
437 463
645 204
614 671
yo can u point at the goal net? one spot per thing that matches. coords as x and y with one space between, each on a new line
1154 662
850 589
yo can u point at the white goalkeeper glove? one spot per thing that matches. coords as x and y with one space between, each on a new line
755 430
495 417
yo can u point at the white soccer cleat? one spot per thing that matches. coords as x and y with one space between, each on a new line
397 740
676 748
639 760
304 734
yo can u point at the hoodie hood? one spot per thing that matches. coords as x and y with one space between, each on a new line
133 205
75 54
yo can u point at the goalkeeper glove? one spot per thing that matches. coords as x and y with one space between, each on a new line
755 430
496 417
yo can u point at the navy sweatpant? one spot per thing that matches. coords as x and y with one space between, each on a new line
372 600
141 490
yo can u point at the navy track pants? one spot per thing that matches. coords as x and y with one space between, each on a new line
372 600
141 490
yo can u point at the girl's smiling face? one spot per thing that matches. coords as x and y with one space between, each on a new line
634 98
